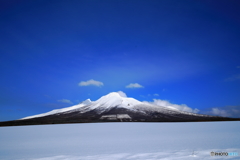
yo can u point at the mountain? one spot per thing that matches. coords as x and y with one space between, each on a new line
113 107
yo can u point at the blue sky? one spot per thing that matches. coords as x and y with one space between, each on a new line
184 52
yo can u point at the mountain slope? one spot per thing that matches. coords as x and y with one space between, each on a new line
113 107
58 111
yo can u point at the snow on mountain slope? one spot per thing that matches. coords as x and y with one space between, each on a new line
150 108
56 111
113 100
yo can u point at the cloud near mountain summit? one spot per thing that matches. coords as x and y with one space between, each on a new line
134 85
91 82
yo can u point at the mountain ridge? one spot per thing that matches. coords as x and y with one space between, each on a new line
113 107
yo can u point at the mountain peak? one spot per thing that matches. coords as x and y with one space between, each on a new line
86 102
115 99
117 94
111 99
115 105
114 94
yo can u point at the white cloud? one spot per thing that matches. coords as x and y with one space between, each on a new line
227 111
91 82
122 94
156 94
167 104
233 78
219 112
65 101
134 85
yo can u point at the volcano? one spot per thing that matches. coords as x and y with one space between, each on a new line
113 107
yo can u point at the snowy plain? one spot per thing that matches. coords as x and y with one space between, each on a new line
120 141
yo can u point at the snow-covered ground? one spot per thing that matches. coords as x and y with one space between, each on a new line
120 141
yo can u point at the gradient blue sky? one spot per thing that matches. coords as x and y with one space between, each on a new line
185 52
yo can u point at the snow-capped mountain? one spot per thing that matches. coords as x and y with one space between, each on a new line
103 104
113 100
114 107
57 111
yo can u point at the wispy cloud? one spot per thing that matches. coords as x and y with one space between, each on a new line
121 93
219 112
167 104
150 95
233 78
91 82
228 111
134 85
65 101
